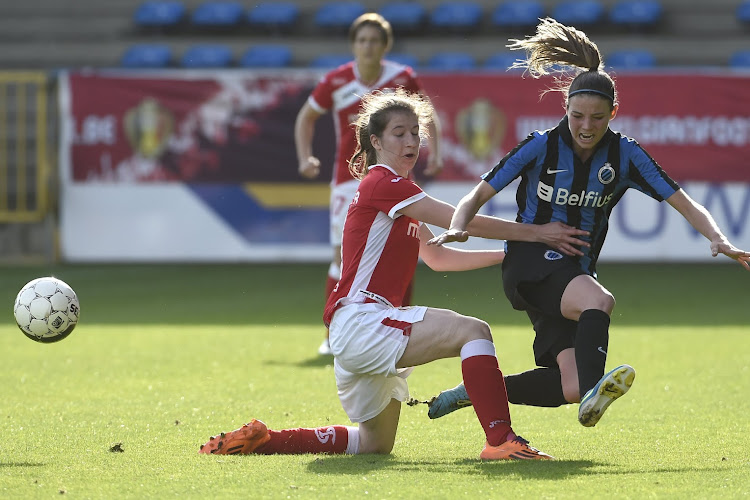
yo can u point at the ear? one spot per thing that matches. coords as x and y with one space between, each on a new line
375 141
614 111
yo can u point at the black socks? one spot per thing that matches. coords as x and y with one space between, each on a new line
592 341
538 387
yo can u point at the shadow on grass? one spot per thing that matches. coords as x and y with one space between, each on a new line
558 469
315 362
343 464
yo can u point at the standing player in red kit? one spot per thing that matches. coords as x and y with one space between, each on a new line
340 91
374 338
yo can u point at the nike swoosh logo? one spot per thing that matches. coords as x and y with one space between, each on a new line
550 171
601 350
396 179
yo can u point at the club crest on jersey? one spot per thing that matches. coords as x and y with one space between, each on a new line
606 173
552 255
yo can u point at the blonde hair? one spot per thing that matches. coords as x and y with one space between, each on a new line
377 108
555 44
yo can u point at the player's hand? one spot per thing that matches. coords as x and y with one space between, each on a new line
449 236
562 237
434 165
732 252
310 168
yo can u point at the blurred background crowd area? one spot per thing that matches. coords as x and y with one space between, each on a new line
452 35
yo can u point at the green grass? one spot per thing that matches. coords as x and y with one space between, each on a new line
165 356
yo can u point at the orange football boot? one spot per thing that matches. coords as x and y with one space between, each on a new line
515 449
244 440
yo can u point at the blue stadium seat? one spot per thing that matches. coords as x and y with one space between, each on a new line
743 12
740 60
458 15
207 56
159 13
578 13
266 56
274 15
502 61
217 14
330 61
517 13
403 58
338 15
631 59
147 56
404 16
636 13
451 61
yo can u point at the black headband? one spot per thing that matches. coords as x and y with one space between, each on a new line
593 91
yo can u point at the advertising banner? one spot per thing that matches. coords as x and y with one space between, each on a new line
201 166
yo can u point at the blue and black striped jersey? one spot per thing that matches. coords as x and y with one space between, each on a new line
557 186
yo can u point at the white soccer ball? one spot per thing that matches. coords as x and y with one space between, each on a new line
46 309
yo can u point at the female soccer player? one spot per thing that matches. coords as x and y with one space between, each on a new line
374 339
574 173
340 91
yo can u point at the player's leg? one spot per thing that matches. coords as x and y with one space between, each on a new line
445 333
591 304
378 434
566 361
534 279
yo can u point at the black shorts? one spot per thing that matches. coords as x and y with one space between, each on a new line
534 279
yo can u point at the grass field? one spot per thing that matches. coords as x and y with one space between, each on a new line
165 356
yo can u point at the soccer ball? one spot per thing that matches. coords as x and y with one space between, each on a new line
46 310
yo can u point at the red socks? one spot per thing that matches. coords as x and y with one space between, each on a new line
486 388
331 439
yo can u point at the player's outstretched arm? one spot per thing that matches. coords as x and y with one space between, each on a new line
465 222
701 219
443 258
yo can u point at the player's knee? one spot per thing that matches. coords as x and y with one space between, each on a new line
606 302
477 329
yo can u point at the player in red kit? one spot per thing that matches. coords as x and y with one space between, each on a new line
340 91
375 340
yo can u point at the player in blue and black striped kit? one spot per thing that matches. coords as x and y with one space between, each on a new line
574 173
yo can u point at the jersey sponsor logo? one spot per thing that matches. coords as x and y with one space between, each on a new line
550 171
552 255
564 197
413 229
325 434
606 173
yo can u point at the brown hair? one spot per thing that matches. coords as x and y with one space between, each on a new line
557 44
377 21
376 111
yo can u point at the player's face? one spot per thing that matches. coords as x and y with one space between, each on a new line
368 46
588 119
399 146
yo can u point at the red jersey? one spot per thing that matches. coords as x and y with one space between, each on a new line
380 247
341 91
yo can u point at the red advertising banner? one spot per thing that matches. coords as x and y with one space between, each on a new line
237 127
697 126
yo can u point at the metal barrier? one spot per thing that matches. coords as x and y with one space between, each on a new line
24 164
